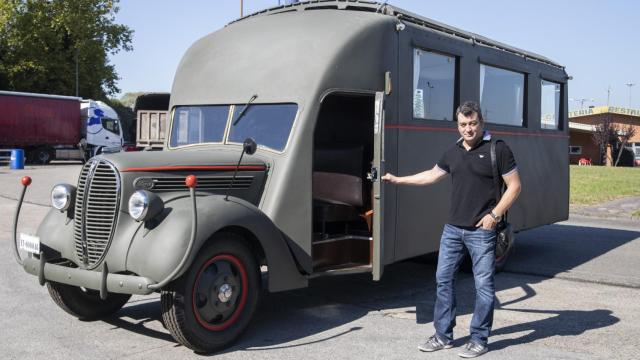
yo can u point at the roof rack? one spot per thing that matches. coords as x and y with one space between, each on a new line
404 15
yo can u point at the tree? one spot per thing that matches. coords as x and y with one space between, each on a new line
624 134
129 99
604 134
42 42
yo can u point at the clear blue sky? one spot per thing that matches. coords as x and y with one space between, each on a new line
597 41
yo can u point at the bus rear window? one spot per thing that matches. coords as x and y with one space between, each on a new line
549 104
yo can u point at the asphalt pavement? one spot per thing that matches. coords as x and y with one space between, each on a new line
569 292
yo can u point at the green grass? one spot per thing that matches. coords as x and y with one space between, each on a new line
596 184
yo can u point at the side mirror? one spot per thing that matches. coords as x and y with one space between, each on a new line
249 146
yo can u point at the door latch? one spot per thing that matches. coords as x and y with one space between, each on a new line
373 175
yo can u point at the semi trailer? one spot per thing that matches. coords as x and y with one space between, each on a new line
52 127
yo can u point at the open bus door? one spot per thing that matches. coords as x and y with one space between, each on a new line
377 170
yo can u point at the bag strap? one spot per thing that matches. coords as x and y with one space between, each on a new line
496 175
494 168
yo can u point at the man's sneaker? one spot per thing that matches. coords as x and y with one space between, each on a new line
433 344
472 349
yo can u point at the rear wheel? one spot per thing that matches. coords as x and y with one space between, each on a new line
85 304
503 251
214 301
41 155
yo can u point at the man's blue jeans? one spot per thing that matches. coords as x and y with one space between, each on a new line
481 246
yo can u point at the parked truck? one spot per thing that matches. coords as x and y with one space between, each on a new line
52 127
152 111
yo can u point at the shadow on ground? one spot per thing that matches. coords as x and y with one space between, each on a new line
558 249
408 290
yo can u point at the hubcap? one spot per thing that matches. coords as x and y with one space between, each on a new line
220 292
225 293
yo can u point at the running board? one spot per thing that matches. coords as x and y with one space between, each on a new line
361 269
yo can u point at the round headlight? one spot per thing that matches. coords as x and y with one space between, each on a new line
145 205
61 196
138 205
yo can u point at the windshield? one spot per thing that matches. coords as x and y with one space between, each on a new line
198 124
268 124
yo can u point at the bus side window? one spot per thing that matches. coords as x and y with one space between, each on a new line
433 85
502 95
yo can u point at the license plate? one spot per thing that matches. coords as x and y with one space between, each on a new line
29 243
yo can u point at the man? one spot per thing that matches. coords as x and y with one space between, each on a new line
472 221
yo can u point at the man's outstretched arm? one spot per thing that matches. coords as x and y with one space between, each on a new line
427 177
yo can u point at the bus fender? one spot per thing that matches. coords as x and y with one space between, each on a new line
159 244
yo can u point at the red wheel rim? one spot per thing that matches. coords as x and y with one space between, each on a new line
239 303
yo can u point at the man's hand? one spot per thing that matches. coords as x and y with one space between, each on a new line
390 178
487 222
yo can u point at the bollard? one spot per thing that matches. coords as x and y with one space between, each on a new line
17 159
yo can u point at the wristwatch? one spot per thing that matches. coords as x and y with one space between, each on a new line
495 217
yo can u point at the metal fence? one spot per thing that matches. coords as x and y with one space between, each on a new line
5 156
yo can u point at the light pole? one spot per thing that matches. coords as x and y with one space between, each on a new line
581 101
630 84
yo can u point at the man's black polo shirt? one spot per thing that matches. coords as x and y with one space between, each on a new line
473 191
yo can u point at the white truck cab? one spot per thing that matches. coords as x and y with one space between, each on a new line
103 128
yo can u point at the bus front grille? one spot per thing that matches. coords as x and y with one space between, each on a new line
96 211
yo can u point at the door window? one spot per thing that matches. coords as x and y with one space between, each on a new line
111 125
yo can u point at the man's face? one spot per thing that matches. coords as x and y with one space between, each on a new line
470 127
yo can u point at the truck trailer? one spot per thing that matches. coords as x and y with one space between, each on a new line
152 111
52 127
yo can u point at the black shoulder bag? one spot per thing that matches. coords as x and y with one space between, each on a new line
504 231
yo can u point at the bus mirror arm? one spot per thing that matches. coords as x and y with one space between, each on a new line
249 146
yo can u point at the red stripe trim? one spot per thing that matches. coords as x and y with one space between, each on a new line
197 167
496 132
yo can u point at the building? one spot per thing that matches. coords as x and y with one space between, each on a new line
582 125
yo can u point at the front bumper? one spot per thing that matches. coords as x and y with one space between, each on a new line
101 281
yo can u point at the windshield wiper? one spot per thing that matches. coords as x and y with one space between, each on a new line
244 110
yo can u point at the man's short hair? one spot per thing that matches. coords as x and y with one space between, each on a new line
468 108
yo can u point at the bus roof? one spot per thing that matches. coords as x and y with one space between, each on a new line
404 15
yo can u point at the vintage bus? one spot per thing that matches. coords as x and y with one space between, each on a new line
288 118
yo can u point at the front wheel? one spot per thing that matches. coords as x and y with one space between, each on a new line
85 304
213 302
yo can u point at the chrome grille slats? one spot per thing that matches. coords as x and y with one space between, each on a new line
176 183
96 211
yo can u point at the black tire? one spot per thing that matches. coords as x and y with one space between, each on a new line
501 260
41 155
85 304
196 310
